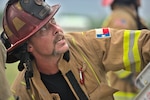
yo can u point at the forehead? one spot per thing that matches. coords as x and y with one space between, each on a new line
45 27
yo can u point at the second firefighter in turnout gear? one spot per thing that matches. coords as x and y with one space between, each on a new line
124 15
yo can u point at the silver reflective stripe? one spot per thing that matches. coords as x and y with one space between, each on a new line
130 54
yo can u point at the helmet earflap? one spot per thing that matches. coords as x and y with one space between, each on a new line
5 40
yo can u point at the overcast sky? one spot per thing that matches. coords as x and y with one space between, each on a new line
144 9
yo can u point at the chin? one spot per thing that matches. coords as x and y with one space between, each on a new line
63 49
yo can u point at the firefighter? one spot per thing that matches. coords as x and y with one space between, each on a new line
72 66
5 92
124 14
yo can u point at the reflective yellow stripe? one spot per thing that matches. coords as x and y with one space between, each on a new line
82 33
31 94
122 73
106 22
108 82
131 51
32 97
11 98
136 52
13 91
23 83
90 66
124 95
126 49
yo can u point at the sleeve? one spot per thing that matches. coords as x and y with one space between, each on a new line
124 49
4 86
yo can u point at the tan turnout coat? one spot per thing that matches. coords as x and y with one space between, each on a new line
4 85
97 56
123 17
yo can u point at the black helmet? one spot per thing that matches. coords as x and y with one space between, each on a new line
127 2
124 2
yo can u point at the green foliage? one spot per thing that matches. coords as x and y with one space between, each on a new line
11 72
1 15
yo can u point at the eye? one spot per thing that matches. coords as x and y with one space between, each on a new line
43 28
53 21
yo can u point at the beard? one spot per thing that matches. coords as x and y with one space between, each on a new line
60 51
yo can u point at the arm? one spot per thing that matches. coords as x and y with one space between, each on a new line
4 86
124 49
127 49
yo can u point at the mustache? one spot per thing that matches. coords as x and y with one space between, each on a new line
59 36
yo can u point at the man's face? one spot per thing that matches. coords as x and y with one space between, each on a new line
48 41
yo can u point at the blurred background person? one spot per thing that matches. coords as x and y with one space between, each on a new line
124 15
5 93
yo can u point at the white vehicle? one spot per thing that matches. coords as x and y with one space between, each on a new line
143 78
143 83
144 94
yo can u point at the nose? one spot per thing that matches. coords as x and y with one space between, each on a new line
56 29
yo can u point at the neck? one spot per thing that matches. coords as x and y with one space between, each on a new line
47 65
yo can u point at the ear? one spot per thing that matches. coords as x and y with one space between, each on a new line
29 47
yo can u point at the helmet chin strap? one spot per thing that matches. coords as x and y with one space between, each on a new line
25 62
